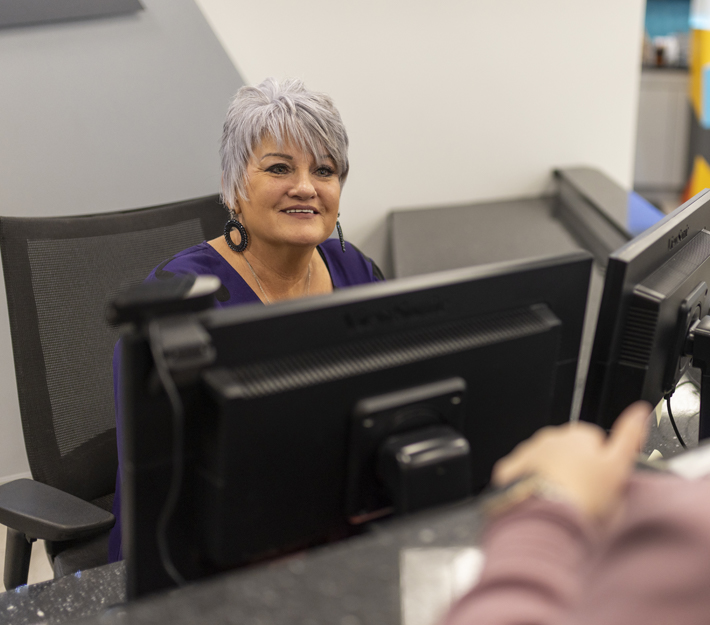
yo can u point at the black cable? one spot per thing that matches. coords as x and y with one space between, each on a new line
675 428
178 415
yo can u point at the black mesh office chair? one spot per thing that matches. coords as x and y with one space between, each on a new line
60 273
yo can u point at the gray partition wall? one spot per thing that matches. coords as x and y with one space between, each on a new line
105 114
21 12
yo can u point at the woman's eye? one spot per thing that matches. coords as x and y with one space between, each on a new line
279 168
325 171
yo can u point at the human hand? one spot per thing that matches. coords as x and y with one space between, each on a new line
590 468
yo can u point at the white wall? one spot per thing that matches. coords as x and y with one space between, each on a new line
452 101
102 115
448 101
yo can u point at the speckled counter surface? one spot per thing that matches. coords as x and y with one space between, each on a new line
372 579
403 572
66 599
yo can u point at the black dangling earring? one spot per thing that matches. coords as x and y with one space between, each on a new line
228 227
340 234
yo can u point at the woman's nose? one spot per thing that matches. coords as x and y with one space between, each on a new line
303 187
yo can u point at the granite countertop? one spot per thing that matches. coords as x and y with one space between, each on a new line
66 599
404 571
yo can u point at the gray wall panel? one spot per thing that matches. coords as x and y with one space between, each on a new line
103 115
18 12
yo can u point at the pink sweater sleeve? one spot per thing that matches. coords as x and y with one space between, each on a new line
544 564
534 558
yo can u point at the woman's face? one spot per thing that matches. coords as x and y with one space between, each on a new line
293 197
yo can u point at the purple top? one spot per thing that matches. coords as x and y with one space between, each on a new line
346 269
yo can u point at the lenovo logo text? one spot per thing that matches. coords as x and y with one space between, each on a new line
673 241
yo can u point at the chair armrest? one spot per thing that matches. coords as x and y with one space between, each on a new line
41 511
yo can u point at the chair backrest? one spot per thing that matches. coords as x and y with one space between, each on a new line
60 274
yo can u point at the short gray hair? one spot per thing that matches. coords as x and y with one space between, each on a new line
283 110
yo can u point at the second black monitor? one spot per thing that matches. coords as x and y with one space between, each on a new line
656 292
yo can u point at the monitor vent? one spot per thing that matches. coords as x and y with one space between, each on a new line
336 363
680 266
638 338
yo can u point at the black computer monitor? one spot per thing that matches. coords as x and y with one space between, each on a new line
305 420
650 326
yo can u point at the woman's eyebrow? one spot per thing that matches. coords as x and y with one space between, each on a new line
289 157
278 154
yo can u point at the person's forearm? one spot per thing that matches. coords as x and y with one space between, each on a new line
535 556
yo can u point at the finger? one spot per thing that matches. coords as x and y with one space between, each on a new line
588 431
511 467
505 471
630 430
528 456
518 462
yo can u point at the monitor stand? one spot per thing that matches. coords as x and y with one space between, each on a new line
425 467
698 346
407 452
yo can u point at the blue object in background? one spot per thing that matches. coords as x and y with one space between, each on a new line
640 214
664 17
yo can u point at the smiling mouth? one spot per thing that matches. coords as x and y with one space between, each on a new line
300 210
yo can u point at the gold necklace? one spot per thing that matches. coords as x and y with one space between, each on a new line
261 288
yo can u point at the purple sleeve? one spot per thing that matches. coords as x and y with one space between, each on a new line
347 269
115 551
200 259
350 268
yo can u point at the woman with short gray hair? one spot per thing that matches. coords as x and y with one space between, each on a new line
280 111
284 162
